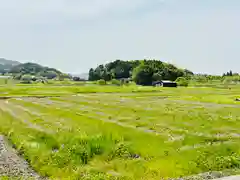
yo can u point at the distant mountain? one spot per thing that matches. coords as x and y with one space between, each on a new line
35 70
82 76
19 70
11 62
6 65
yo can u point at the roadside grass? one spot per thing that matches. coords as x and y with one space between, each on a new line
125 134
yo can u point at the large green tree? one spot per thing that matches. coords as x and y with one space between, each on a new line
143 74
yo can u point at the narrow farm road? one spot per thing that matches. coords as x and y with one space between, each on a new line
230 178
11 165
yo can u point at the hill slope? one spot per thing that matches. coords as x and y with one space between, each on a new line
6 65
35 69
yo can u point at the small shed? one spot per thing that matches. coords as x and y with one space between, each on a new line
165 83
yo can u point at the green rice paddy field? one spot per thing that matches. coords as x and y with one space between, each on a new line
122 132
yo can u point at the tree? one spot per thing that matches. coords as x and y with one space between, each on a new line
230 73
181 81
114 70
200 78
157 77
49 74
63 76
91 75
231 79
101 82
142 75
115 82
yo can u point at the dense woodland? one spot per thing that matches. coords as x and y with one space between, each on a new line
34 69
143 72
6 65
28 71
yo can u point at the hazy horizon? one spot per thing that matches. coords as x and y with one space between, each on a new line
75 35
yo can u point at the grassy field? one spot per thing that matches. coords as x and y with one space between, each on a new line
106 132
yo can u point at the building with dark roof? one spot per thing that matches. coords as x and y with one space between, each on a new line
164 83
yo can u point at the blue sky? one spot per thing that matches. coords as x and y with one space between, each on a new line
74 35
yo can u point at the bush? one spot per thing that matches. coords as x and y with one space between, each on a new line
34 79
17 77
26 79
115 82
181 81
76 79
101 82
49 74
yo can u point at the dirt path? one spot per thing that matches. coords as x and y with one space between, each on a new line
11 165
230 178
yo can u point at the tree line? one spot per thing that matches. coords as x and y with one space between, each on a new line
142 72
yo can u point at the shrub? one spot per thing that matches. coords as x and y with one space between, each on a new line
101 82
34 79
76 79
17 77
115 82
49 74
26 79
181 81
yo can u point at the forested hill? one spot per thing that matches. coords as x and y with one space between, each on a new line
6 65
35 70
143 72
19 69
31 68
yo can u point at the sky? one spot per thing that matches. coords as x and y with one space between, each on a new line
75 35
